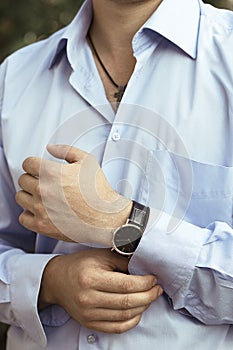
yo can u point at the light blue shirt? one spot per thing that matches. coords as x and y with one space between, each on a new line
170 145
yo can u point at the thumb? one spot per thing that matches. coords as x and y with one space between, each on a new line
120 262
69 153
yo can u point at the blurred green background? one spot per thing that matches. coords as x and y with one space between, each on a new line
23 22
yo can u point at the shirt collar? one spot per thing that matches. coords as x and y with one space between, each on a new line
73 35
176 20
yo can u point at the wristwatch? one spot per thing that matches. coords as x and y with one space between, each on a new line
127 237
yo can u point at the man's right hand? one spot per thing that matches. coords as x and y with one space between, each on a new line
94 288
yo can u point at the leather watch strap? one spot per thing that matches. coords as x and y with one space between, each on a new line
139 215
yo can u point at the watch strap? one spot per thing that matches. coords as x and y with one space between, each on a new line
139 215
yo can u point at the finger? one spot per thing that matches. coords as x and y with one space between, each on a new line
29 221
116 301
69 153
42 168
32 165
26 219
29 184
114 327
100 314
116 282
25 200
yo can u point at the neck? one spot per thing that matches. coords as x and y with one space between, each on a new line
113 26
116 21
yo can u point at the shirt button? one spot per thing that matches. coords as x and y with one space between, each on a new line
116 136
91 338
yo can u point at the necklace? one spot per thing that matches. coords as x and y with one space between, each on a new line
121 88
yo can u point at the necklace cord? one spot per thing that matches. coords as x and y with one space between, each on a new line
103 66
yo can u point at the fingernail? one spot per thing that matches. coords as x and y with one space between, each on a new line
160 292
154 282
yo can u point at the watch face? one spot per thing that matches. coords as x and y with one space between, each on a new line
127 238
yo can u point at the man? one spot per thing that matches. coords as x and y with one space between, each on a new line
143 89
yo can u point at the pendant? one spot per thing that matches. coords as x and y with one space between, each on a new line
119 94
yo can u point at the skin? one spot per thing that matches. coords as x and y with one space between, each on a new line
93 286
115 46
95 290
50 190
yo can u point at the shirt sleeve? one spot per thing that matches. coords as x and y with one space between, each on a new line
20 269
193 265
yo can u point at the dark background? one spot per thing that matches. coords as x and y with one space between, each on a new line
23 22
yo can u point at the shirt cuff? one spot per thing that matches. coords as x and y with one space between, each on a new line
26 273
171 256
54 316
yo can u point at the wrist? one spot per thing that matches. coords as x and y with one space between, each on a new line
127 237
122 216
114 217
47 294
